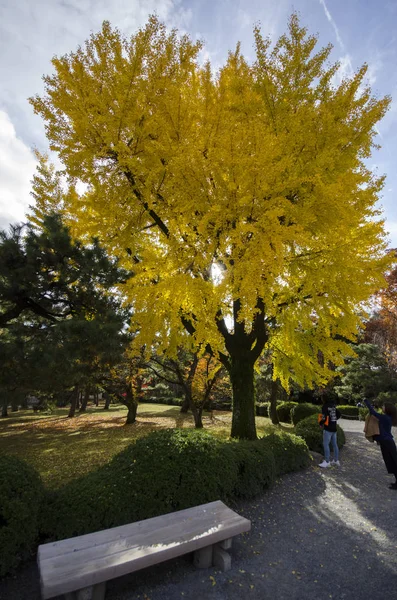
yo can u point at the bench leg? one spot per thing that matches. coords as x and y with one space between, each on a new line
226 544
221 559
203 558
93 592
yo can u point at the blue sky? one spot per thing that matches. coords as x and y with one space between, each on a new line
32 31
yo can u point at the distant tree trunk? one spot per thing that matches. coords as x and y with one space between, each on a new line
14 405
77 407
4 409
96 398
132 405
84 401
273 403
197 411
185 405
107 401
74 402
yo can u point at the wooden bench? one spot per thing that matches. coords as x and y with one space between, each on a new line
79 567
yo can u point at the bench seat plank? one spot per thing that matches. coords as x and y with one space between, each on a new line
85 560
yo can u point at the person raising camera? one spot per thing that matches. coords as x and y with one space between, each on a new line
385 438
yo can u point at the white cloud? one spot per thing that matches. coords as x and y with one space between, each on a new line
331 20
31 33
17 165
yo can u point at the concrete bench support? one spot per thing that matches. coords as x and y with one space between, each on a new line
94 592
78 568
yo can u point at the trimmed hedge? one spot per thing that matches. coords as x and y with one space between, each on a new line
312 433
348 410
290 452
262 409
170 470
284 411
21 493
301 411
363 412
256 468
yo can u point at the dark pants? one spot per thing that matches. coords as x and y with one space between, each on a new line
389 453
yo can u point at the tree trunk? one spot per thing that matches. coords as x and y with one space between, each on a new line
273 403
197 415
132 406
241 373
14 405
73 404
84 401
185 405
107 401
4 409
96 398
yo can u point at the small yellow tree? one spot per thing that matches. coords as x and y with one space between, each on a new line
241 200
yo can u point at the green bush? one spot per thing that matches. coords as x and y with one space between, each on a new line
312 433
170 470
348 410
165 471
301 411
256 468
290 452
262 409
362 413
284 411
21 493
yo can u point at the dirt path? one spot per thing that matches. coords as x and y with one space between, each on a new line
317 534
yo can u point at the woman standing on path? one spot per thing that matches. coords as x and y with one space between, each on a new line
385 438
330 415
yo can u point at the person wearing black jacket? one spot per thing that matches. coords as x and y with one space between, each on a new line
385 438
330 415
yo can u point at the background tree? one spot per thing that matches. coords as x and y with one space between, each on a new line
381 328
196 375
241 201
59 312
365 375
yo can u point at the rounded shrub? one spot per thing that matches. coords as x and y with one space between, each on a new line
301 411
284 411
256 468
21 493
290 451
362 413
348 410
312 433
163 472
169 470
262 409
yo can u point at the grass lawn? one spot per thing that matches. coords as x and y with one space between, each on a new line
62 449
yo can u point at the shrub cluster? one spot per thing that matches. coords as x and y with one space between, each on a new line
301 411
284 411
21 493
312 433
262 409
348 410
156 400
170 470
362 413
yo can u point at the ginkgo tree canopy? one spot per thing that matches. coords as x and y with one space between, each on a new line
242 199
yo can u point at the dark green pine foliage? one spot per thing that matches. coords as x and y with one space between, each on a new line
61 321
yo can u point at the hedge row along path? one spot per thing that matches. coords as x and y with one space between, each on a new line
315 535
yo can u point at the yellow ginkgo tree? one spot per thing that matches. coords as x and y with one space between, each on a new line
241 200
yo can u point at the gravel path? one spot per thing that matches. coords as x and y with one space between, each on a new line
317 534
